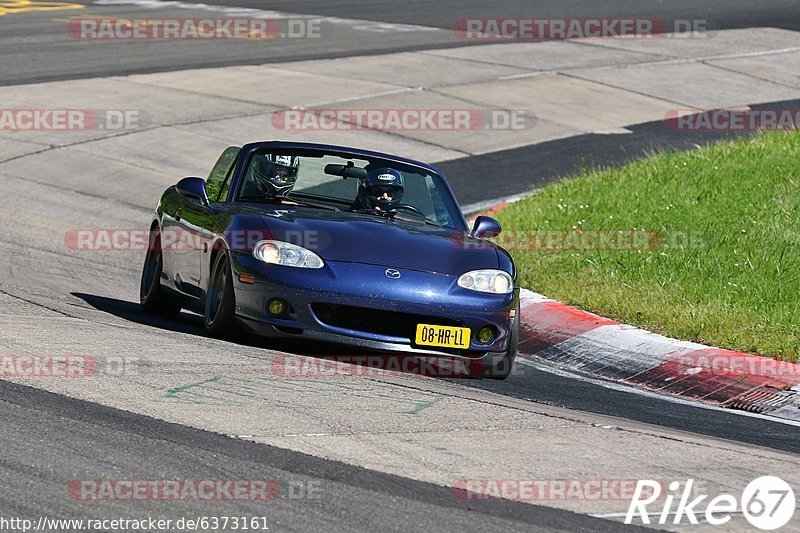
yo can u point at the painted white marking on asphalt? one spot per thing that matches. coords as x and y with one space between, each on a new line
354 98
619 387
753 54
688 60
526 75
700 513
615 131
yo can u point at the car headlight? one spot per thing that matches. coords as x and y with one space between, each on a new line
494 281
286 254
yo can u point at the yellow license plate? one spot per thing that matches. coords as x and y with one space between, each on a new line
444 336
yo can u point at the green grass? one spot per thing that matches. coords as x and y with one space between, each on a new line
734 283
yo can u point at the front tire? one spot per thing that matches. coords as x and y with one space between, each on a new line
152 296
220 319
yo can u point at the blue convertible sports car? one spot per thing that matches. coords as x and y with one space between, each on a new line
334 244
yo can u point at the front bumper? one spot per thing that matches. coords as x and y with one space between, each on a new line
431 298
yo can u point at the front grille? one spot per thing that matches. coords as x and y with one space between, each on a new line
389 323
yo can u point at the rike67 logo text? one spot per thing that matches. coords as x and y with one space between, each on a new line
768 503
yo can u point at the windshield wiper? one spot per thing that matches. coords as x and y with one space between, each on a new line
257 198
374 212
295 200
413 217
405 217
311 204
280 200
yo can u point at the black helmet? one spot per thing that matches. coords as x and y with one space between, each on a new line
382 189
275 174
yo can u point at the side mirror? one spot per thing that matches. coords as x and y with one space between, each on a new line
193 188
486 228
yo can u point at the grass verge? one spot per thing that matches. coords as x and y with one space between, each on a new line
701 245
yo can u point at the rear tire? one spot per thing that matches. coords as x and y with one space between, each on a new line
220 308
152 297
502 369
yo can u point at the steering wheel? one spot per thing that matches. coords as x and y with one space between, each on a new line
410 208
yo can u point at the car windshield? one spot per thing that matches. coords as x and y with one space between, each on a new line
415 196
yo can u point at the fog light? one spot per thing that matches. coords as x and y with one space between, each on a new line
486 334
276 307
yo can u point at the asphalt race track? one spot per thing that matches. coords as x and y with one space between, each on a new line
36 46
722 14
132 443
382 452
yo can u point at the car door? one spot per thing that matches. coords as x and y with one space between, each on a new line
196 223
171 204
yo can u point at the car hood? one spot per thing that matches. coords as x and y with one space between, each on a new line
368 239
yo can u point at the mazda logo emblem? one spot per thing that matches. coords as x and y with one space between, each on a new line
392 273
